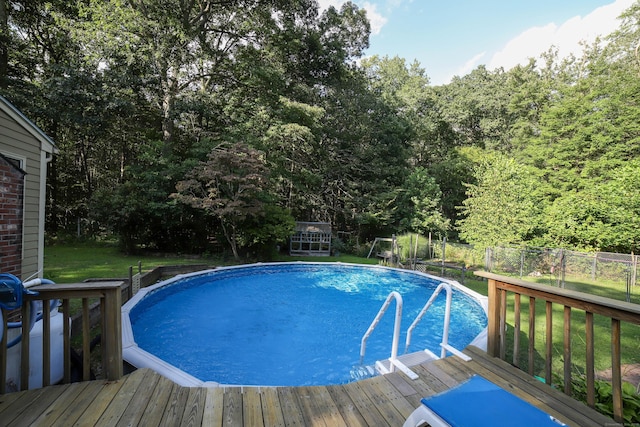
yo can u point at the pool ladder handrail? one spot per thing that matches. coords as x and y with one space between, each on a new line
393 360
447 317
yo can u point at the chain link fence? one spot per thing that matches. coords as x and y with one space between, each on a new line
609 274
566 269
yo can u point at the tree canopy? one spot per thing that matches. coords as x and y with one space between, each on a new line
182 123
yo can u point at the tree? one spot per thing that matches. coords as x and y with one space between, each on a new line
421 198
232 187
502 208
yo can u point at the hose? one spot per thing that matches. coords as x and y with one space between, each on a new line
34 316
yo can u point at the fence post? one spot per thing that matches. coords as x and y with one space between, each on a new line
634 269
487 259
444 248
521 261
563 265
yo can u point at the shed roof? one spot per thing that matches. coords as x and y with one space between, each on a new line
313 227
46 143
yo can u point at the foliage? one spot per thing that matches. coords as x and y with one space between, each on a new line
135 94
232 187
502 206
604 397
421 198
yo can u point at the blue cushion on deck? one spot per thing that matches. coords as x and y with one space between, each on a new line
478 402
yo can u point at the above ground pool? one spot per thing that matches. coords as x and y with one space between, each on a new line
286 324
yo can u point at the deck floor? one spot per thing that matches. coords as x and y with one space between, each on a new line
148 399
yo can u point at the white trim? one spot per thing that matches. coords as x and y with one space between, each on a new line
45 158
46 143
18 157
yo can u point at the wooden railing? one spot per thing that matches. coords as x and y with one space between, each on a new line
109 296
617 311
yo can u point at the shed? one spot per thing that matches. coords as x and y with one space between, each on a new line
25 152
311 238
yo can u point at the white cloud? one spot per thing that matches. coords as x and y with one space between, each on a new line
566 37
468 66
376 19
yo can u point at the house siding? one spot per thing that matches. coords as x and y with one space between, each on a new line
17 142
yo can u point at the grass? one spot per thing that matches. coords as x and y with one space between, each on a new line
75 263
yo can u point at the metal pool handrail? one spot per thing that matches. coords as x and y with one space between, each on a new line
396 326
447 316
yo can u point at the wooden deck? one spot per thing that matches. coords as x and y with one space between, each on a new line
146 398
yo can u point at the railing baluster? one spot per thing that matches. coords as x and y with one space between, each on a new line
66 330
591 393
567 350
46 343
516 330
549 343
24 347
616 370
86 341
532 334
503 323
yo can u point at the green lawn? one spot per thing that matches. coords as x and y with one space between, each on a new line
74 263
77 262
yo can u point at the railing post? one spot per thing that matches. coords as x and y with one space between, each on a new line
112 334
493 322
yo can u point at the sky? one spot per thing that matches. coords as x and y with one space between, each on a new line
453 37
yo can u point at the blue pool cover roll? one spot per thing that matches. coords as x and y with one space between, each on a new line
478 402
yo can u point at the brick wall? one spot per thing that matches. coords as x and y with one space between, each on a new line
11 217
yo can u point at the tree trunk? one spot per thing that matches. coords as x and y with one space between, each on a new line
230 235
4 44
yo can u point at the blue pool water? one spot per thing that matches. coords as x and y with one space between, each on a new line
291 324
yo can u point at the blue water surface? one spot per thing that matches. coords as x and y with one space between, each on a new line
291 325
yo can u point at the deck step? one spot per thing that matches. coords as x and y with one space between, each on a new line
408 360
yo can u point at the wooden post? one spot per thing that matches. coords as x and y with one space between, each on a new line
590 368
567 350
493 323
112 334
548 343
616 370
3 352
25 341
130 287
46 343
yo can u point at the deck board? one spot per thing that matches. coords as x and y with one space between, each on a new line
290 408
271 411
232 408
347 408
194 407
146 398
138 403
252 407
213 405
